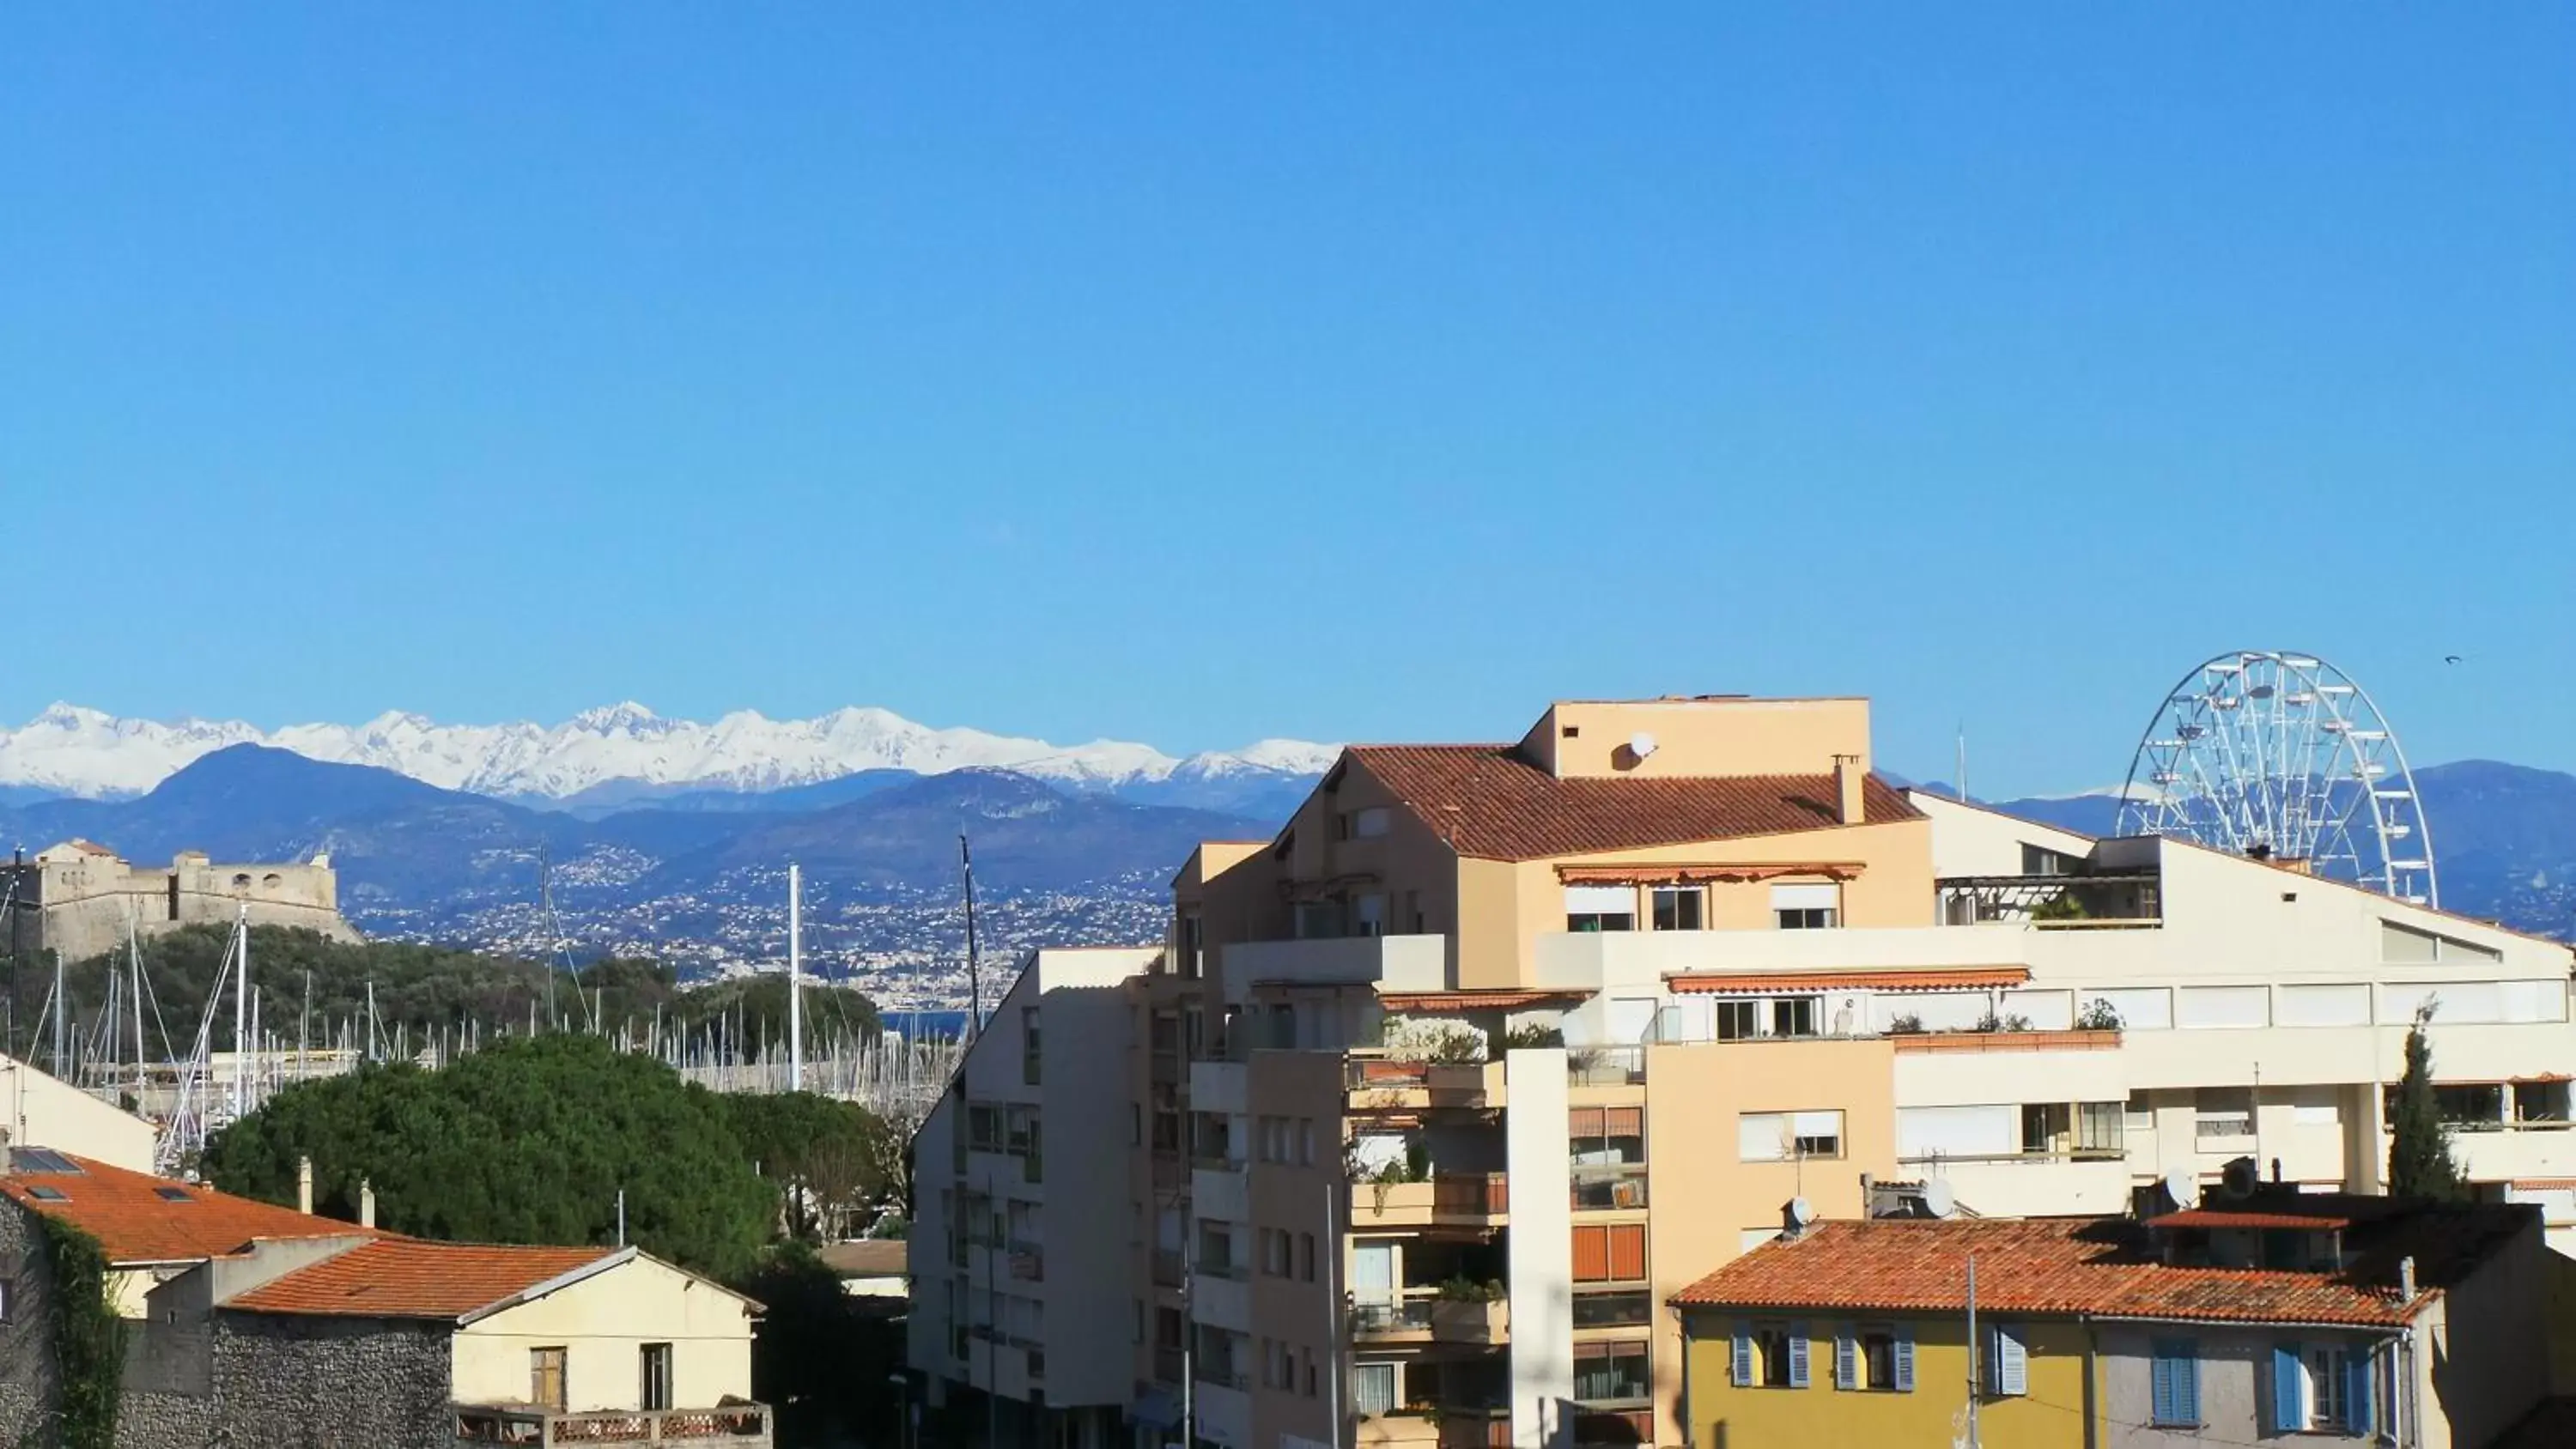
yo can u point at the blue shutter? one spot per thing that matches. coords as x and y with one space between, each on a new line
2289 1399
2361 1390
1847 1360
2160 1387
1797 1355
2187 1383
1741 1370
1904 1358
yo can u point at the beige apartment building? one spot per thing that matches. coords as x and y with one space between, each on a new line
1439 1095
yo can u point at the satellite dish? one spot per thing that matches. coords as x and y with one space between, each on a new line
2181 1185
1641 744
1801 1211
1939 1198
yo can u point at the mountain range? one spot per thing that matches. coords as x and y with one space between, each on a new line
603 759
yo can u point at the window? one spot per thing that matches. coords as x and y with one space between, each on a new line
1739 1020
1368 915
1788 1136
546 1378
1613 1310
1770 1356
1610 1372
656 1363
2175 1383
1678 908
2102 1127
1600 908
2540 1101
1305 1141
1370 823
1306 1256
1875 1358
1135 1124
1610 1253
1807 907
2322 1387
2007 1361
2045 1128
1794 1016
1373 1388
2038 860
2222 1112
1029 1046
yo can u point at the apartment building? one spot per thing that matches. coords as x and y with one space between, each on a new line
2272 1316
1023 1289
1440 1092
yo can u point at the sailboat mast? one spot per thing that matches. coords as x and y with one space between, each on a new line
974 962
241 1015
795 977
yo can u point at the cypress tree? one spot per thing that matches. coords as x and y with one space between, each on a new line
2419 1151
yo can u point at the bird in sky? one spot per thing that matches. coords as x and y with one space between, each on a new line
2450 658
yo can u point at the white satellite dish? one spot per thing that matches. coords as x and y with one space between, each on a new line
1939 1198
2182 1185
1641 744
1801 1212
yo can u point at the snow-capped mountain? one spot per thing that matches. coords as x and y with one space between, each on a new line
86 753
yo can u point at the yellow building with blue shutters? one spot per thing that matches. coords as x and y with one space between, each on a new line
2280 1315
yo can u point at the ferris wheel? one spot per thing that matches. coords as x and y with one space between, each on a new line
2282 757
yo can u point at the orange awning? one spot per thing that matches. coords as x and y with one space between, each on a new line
1970 978
1703 874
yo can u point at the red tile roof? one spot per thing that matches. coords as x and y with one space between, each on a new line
1473 1000
1490 803
1969 978
407 1278
2219 1218
136 1222
2100 1266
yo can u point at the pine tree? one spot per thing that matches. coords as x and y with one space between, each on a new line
2419 1153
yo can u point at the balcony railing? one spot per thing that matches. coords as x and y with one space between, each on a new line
1609 1189
1458 1198
1427 1312
743 1425
1605 1066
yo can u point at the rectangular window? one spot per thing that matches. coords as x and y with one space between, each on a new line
2101 1128
2222 1113
2007 1361
1373 1388
1679 908
1305 1142
1867 1359
656 1365
1613 1310
2322 1388
1807 907
1306 1256
1739 1020
1610 1372
1814 918
1370 822
1029 1046
1788 1136
1794 1016
1779 1357
2175 1383
546 1378
1600 908
1368 914
1610 1253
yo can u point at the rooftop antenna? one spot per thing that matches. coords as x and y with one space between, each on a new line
974 967
1960 788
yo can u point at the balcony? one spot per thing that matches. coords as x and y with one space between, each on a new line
1378 1082
1426 1315
1438 1426
1448 1199
1167 1268
1171 1366
737 1426
1605 1067
1399 963
1609 1189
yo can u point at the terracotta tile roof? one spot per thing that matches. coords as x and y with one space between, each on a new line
137 1220
1488 1000
408 1278
2101 1266
1972 978
866 1258
1508 809
2219 1218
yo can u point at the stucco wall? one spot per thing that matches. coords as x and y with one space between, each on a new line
603 1323
2050 1416
2235 1398
44 1111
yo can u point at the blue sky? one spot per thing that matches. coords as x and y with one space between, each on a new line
1195 373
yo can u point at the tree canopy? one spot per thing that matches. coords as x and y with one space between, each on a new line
2419 1148
524 1141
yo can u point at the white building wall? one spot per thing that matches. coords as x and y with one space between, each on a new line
1542 1248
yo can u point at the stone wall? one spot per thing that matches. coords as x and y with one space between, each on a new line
306 1382
82 904
27 1373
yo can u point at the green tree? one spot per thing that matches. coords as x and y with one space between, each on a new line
524 1141
823 1358
827 1157
2420 1164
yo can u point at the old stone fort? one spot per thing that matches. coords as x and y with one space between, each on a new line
79 898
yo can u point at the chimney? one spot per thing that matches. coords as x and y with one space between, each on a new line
2406 1278
1848 776
304 1186
366 1203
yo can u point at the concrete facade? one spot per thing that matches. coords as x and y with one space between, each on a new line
78 898
43 1108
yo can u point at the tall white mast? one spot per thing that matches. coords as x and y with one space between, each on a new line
795 978
241 1015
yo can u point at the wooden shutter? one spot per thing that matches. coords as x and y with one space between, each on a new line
1583 1124
1627 1252
1904 1358
1846 1359
2361 1392
2163 1393
1797 1355
2011 1364
1591 1254
2289 1392
1623 1122
1741 1362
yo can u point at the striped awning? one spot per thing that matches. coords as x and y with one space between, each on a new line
1768 983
